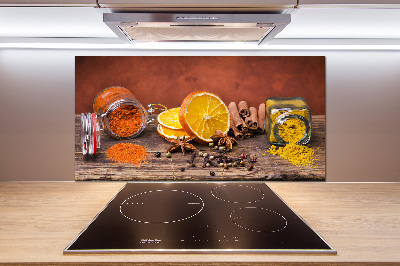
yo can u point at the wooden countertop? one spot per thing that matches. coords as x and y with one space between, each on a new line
268 167
360 220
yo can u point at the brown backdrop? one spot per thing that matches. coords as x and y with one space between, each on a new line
169 79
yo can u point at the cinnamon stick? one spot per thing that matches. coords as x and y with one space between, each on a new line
243 109
238 135
253 118
236 119
248 121
261 119
247 134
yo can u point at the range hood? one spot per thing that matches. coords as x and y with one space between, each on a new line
257 28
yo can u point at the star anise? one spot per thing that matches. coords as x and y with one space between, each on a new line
181 143
220 138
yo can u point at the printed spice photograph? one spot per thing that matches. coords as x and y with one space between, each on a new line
215 118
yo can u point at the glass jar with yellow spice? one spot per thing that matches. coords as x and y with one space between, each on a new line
118 112
288 120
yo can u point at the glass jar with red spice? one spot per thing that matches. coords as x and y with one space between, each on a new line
118 112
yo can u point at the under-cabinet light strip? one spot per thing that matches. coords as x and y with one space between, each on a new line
195 46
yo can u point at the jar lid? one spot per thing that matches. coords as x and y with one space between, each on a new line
90 133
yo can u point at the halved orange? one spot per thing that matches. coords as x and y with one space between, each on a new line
168 133
202 113
169 118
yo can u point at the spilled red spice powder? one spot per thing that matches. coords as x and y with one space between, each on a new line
128 153
125 120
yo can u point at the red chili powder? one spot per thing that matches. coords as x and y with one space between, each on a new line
128 153
125 120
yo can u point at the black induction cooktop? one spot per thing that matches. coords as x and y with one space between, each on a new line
198 217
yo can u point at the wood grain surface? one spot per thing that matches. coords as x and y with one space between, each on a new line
268 167
360 220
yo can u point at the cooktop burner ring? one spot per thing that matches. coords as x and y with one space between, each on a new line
232 197
219 227
193 204
258 219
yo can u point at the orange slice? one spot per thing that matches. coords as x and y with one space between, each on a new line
169 118
202 113
171 133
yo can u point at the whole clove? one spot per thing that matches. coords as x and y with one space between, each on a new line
191 160
205 161
252 159
212 163
223 160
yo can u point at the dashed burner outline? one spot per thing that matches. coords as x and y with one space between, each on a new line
160 190
258 231
256 189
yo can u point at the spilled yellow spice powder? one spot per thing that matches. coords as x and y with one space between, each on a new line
295 153
292 131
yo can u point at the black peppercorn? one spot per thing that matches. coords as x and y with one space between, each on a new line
212 173
158 154
182 169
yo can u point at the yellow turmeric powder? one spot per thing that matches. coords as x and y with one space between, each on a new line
295 153
292 131
289 125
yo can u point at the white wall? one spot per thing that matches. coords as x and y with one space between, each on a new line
37 111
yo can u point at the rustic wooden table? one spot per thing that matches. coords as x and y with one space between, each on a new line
268 167
360 220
